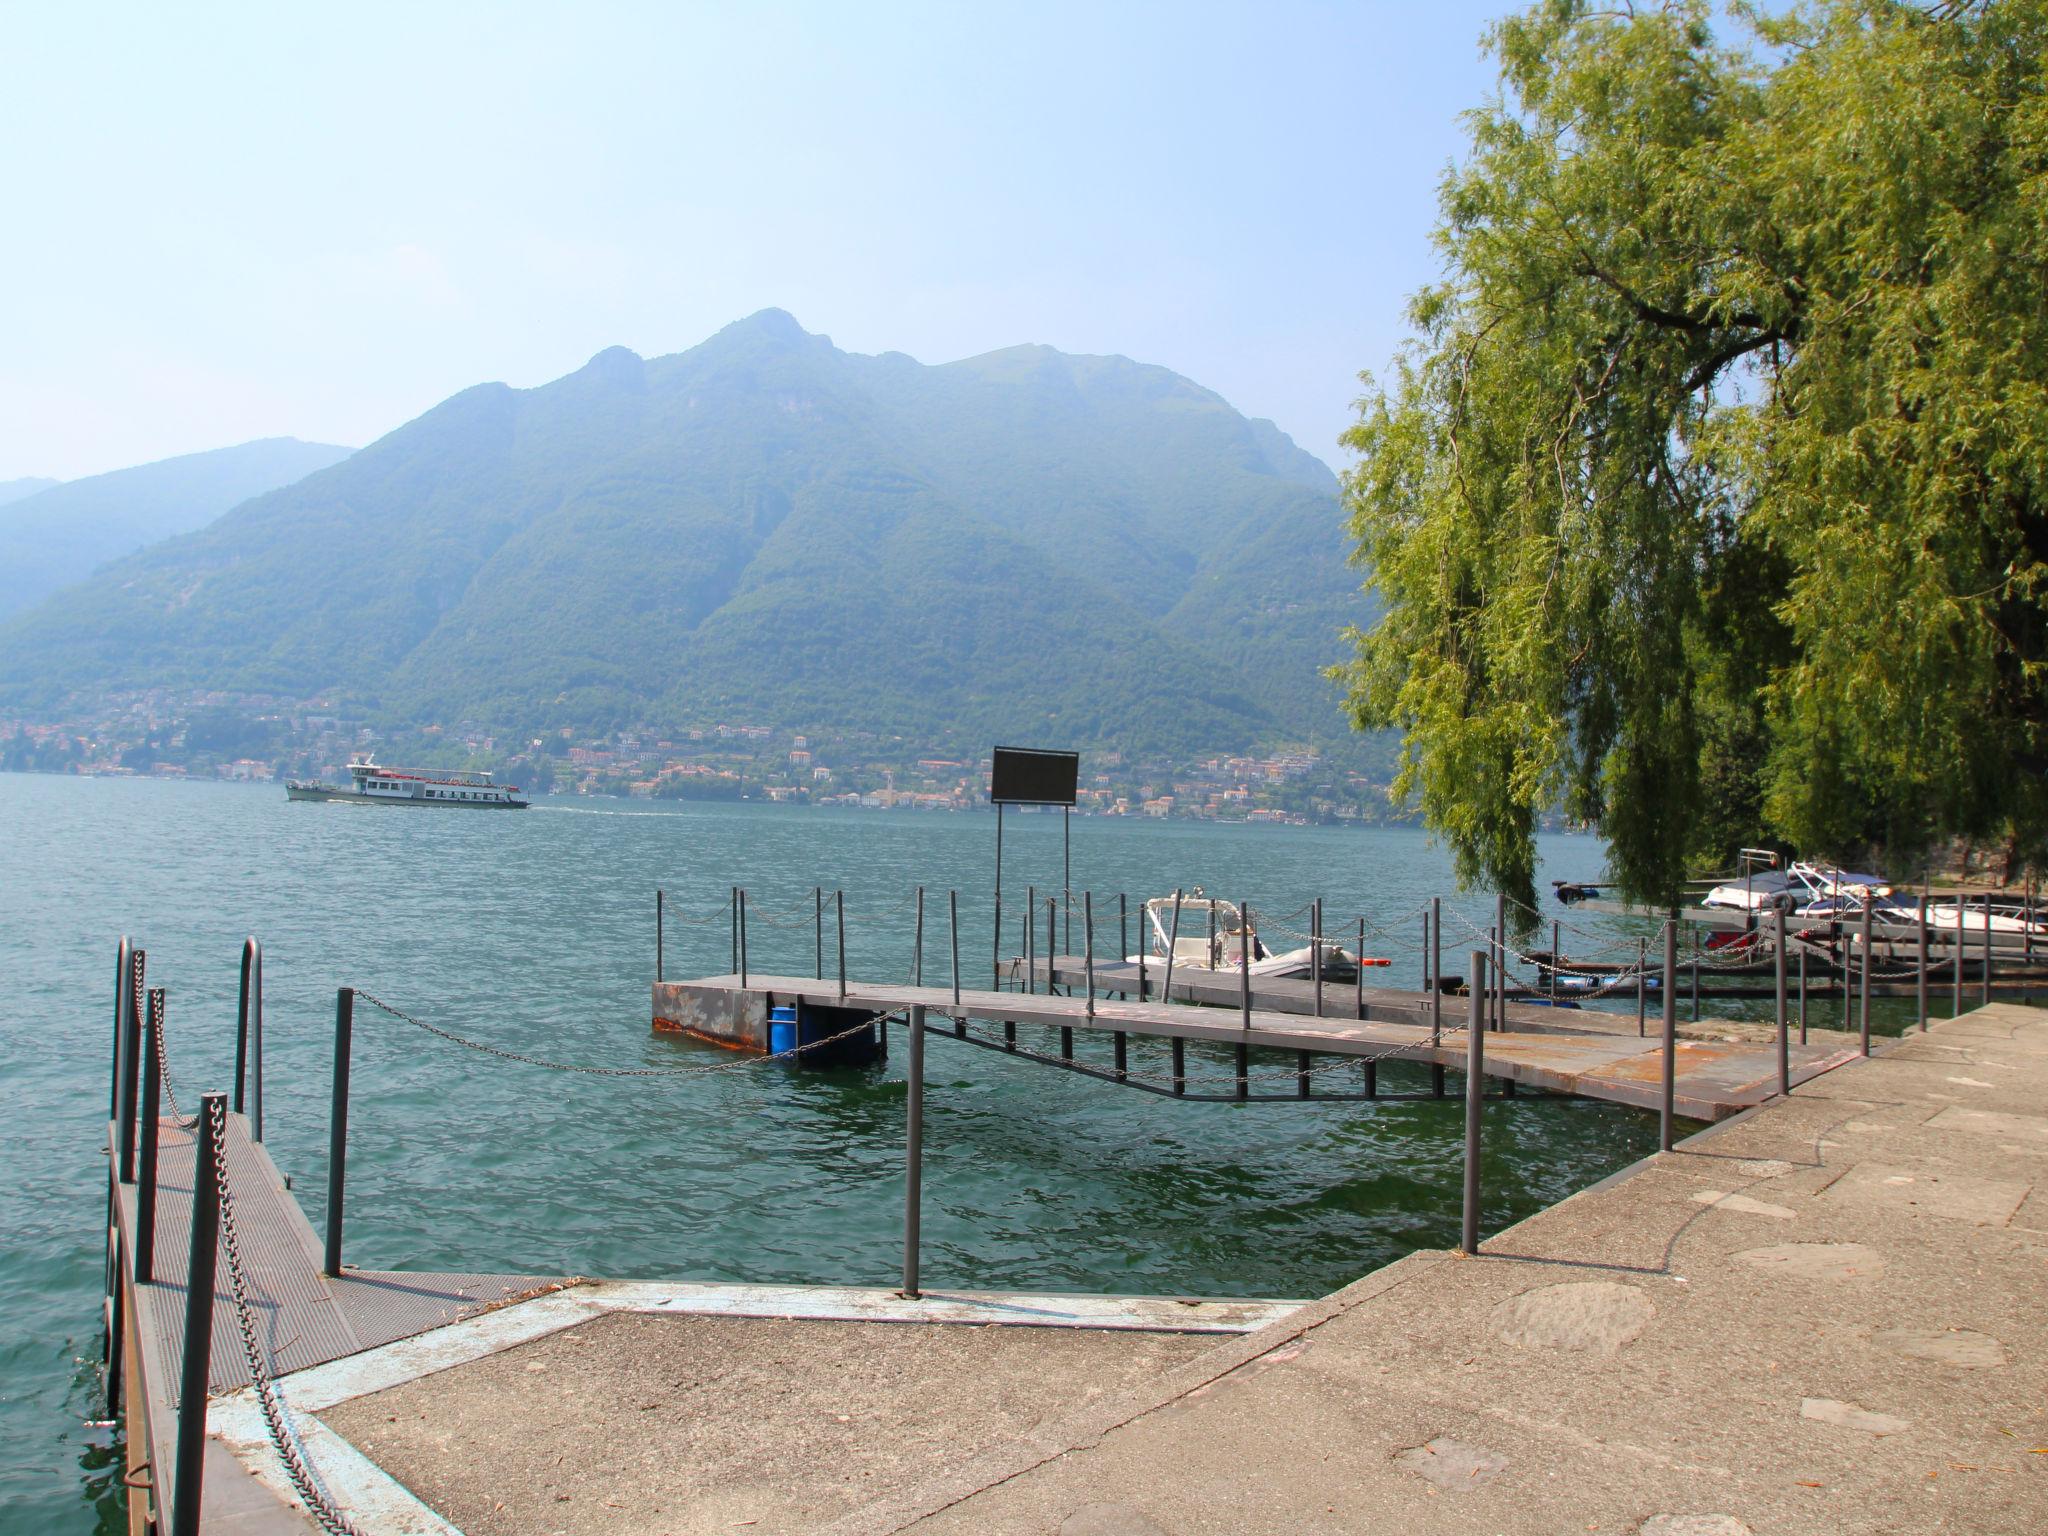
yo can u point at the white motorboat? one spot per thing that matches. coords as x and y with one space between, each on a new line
1204 933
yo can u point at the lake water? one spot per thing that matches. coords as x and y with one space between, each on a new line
535 931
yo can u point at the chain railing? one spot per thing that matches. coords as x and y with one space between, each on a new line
695 1069
277 1421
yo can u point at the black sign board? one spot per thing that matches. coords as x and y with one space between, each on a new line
1027 776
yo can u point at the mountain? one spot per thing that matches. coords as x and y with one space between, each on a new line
60 533
28 485
766 529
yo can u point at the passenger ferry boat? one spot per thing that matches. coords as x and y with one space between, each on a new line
377 785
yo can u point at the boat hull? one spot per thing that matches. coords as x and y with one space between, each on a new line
327 792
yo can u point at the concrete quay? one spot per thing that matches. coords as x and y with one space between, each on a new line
1825 1316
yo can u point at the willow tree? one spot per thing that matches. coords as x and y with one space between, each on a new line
1710 502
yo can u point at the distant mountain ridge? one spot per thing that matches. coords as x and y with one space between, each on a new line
63 532
766 528
27 485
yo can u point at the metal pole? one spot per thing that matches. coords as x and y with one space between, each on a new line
1784 1030
1123 931
1987 949
145 1189
1802 994
1315 944
1500 960
1920 977
743 935
1556 957
1031 938
1863 980
337 1134
197 1365
1052 939
913 1153
1642 986
917 944
1436 987
1664 1113
120 1000
1067 871
1172 945
1358 976
953 925
1144 948
1180 1067
732 919
818 926
658 932
131 1062
1955 1007
1088 933
1696 952
1475 1096
1244 967
839 917
242 1028
256 1048
995 955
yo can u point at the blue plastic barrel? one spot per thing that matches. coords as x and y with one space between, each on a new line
781 1030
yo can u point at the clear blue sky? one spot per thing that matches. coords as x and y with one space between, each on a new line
317 221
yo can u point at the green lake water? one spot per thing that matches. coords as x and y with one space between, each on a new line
535 931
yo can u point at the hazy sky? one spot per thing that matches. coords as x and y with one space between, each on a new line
228 222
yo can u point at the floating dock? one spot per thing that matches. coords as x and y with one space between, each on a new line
1713 1079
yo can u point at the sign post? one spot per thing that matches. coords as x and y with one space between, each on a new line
1031 776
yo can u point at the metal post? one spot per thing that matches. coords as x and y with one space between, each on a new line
1315 947
1358 976
995 958
913 1153
1664 1114
1244 1071
953 925
1784 1031
818 925
1863 979
1802 994
1144 948
1215 956
1030 938
337 1133
120 999
1123 1054
1180 1067
1436 987
1123 931
1088 934
1067 872
1475 1096
1642 986
1052 939
742 908
658 933
1500 960
1172 945
242 1028
839 917
1301 1077
1956 1003
145 1189
1696 952
732 921
1920 976
917 944
1987 949
1244 968
197 1365
256 1045
1556 956
131 1062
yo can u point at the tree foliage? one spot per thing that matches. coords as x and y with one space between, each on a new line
1708 503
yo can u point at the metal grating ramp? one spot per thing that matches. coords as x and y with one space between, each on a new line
304 1319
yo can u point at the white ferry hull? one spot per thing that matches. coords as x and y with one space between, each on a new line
327 792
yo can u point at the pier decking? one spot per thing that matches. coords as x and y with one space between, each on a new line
1714 1079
